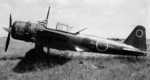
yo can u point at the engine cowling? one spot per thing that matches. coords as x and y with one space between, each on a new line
20 32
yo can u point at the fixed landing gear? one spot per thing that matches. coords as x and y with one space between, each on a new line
37 53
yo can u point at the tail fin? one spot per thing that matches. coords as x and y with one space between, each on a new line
137 38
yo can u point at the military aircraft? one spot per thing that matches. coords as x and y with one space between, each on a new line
38 33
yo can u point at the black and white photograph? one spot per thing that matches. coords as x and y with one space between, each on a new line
74 40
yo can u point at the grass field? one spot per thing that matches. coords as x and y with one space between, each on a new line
15 65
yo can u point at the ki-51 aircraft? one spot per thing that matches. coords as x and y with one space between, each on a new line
38 33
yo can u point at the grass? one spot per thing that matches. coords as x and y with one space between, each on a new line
68 65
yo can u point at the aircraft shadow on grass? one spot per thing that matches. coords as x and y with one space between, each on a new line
33 62
132 59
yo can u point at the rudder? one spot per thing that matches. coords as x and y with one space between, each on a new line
137 38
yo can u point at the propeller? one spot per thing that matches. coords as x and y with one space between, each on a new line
9 30
47 16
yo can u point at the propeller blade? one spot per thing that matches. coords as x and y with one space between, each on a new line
7 42
8 30
10 21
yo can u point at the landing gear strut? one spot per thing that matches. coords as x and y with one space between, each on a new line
37 53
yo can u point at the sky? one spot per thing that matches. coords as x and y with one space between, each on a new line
103 18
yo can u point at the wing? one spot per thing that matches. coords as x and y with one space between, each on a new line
54 39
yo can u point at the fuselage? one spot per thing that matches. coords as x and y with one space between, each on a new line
69 41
